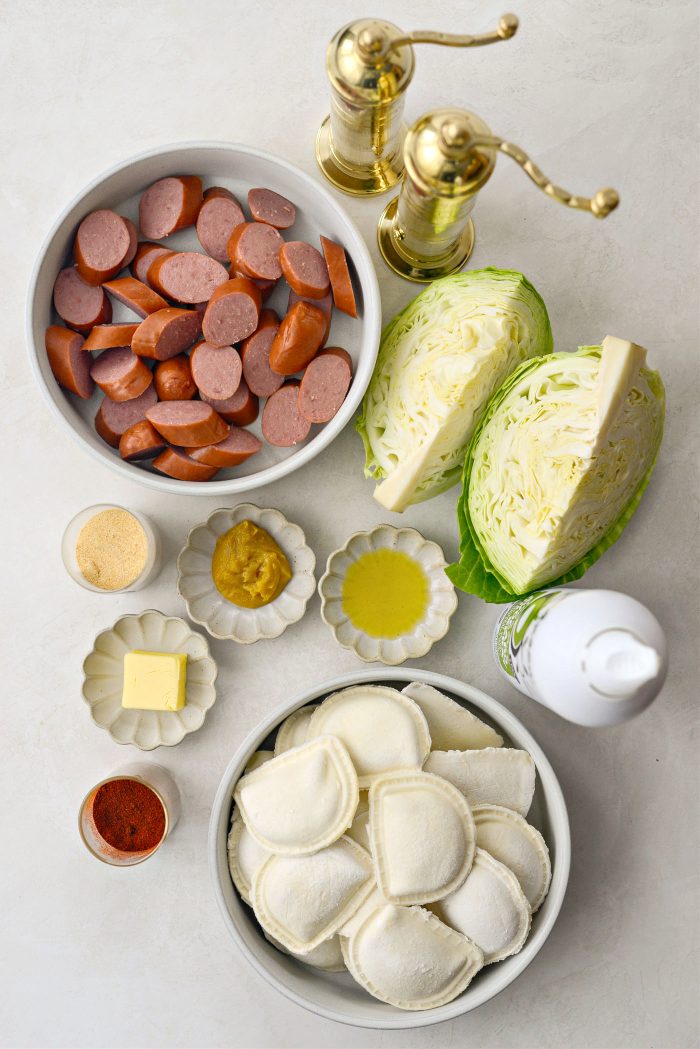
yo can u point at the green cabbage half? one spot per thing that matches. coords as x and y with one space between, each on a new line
439 361
556 469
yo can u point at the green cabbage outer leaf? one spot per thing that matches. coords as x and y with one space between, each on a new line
439 361
545 494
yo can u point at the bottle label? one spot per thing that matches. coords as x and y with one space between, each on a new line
514 635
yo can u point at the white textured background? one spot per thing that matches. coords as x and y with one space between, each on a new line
601 93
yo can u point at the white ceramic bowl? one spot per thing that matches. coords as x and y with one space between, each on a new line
103 679
223 619
442 599
238 167
335 995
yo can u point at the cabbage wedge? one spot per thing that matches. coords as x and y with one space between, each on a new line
440 360
556 469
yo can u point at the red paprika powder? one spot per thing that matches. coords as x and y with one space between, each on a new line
128 815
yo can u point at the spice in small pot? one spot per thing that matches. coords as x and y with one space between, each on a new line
128 815
111 549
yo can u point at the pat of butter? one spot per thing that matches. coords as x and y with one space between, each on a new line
154 680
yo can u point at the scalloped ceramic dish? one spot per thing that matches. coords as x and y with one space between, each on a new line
103 679
222 618
442 600
335 995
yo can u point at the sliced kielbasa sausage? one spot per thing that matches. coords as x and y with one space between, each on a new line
173 379
282 423
121 374
341 283
216 370
241 409
108 336
168 205
218 217
69 363
254 250
299 337
266 286
238 446
304 269
232 313
141 441
187 276
175 462
267 206
146 253
166 333
190 424
104 244
136 295
324 384
255 355
325 304
115 417
79 304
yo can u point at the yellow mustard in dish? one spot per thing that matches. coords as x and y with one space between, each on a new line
385 593
248 567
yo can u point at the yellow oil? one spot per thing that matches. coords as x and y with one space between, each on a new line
385 593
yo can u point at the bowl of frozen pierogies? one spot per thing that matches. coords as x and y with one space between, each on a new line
390 849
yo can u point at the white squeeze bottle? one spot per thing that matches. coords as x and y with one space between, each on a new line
596 657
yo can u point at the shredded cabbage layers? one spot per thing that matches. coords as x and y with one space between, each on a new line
439 361
547 478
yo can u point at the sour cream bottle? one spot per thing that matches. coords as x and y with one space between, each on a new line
595 657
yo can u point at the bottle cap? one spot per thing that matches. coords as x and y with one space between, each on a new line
617 664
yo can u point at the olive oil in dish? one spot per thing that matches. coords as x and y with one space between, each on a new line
385 593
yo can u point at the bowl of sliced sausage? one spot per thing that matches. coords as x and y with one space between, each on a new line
204 318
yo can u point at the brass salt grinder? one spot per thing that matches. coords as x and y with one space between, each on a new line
370 64
426 231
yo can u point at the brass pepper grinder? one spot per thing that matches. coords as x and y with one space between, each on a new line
426 232
370 64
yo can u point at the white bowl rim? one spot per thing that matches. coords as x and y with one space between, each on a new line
555 803
372 319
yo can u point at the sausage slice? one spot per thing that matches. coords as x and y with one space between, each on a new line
232 313
146 253
173 379
175 462
267 206
104 244
168 205
325 304
305 270
216 370
324 384
218 217
79 304
166 333
115 417
121 374
266 286
133 293
254 249
191 424
70 366
282 423
187 276
238 446
299 337
255 355
241 409
140 441
341 283
108 336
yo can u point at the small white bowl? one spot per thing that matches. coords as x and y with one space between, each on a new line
237 167
336 995
442 599
103 680
220 617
